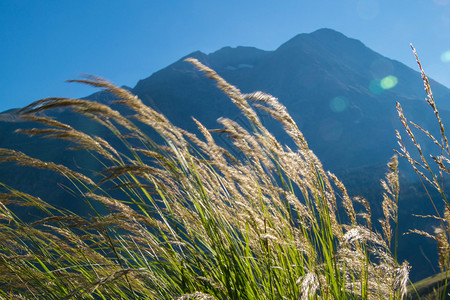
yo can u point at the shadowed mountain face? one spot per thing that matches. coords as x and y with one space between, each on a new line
341 94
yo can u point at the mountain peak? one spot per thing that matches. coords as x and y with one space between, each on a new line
327 33
324 37
228 57
332 37
196 54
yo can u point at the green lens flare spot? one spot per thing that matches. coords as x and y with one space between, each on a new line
388 82
339 104
375 87
445 57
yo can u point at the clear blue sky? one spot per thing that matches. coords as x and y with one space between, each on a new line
43 43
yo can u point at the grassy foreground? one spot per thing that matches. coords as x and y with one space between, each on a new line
193 221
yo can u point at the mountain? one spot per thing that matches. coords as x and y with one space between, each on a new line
341 94
329 83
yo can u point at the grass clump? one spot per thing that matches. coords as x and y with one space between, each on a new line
186 219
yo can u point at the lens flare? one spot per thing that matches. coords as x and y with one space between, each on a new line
445 57
375 87
338 104
388 82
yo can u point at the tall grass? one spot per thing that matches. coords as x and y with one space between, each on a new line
189 220
432 170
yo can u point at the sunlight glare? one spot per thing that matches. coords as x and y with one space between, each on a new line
375 87
445 57
338 104
388 82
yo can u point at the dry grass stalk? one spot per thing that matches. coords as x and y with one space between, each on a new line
430 101
441 233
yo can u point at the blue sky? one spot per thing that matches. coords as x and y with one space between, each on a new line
43 43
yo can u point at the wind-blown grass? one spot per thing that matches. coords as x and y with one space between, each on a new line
191 220
431 169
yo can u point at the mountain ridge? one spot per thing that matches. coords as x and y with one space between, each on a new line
308 76
324 78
